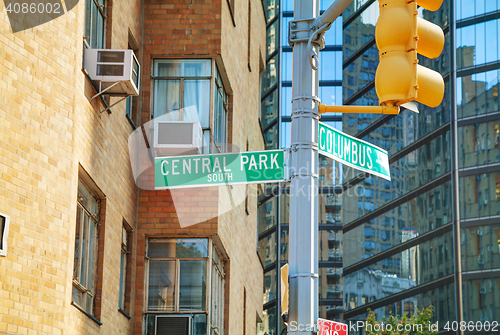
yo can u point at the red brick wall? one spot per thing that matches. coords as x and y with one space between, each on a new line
181 28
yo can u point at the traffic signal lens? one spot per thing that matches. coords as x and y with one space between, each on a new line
430 87
401 35
430 41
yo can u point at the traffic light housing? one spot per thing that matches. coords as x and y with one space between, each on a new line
400 35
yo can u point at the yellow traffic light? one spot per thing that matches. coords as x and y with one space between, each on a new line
400 35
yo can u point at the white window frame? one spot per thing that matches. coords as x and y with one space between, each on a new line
125 251
208 133
215 319
177 278
214 326
101 9
88 291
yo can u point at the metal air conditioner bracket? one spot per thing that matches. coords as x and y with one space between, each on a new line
101 92
107 108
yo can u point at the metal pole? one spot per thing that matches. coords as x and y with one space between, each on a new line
303 242
454 181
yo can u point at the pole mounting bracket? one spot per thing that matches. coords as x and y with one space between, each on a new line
302 30
305 30
302 112
305 97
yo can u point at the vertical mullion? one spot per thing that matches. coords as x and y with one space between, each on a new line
87 252
213 312
145 302
221 304
213 89
208 288
177 284
86 259
80 244
181 100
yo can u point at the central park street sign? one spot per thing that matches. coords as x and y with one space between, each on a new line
219 169
353 152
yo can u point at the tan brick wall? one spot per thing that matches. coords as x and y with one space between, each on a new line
49 128
236 228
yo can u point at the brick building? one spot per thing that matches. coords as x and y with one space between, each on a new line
83 250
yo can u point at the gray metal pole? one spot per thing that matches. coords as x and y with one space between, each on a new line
454 165
303 242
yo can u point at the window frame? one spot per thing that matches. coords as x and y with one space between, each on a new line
131 103
177 260
91 248
218 270
220 93
125 288
89 28
216 86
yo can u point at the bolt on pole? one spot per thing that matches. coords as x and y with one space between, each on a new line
303 238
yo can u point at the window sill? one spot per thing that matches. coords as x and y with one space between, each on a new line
86 313
124 313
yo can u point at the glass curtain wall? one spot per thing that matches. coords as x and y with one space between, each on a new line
276 109
268 223
398 235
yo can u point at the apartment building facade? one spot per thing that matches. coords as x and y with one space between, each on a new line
84 249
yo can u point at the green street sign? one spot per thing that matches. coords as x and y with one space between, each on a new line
219 169
353 152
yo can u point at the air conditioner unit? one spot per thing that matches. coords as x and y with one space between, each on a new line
174 325
174 138
116 71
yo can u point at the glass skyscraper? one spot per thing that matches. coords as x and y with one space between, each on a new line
388 245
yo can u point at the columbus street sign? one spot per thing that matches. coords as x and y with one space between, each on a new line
353 152
219 169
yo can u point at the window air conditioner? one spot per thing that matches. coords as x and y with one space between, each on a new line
177 138
174 325
116 71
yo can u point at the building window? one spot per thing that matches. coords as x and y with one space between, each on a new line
177 275
178 282
182 92
95 15
4 233
128 109
217 301
85 261
125 269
